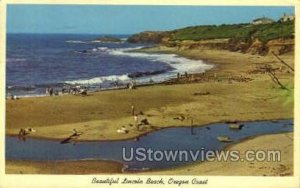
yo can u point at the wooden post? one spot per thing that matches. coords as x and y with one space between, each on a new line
192 127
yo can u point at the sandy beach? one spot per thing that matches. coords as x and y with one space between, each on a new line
62 167
282 142
100 114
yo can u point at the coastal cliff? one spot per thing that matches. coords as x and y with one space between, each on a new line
245 38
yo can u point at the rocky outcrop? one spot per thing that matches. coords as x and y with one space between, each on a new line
107 39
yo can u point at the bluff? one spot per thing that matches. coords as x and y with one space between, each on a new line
245 38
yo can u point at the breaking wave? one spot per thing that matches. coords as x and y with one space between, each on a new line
101 79
180 64
76 41
12 60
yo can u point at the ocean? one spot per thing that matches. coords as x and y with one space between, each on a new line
35 62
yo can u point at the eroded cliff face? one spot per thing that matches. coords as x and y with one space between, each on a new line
253 46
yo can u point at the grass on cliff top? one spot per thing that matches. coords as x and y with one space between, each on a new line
242 32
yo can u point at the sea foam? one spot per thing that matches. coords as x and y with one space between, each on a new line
180 64
101 79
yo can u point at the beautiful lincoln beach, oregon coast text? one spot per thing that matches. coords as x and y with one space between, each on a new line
156 90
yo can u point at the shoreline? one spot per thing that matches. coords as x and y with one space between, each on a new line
145 134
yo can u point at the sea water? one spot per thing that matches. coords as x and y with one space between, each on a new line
197 138
37 61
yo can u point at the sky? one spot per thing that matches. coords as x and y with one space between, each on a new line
118 19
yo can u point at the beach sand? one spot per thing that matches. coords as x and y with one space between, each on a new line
62 167
99 115
280 142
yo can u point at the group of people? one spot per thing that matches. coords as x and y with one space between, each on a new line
51 92
184 75
70 90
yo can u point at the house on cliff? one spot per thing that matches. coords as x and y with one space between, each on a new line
286 18
262 20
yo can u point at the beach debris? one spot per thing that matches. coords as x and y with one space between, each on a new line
124 168
122 130
14 97
71 137
270 71
83 92
229 122
75 133
236 126
239 78
30 130
224 139
26 131
145 122
22 132
283 62
65 141
201 93
180 117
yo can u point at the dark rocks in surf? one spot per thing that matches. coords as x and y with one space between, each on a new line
147 73
108 39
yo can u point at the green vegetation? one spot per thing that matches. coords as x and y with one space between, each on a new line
242 32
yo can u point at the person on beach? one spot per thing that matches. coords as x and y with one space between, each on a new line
132 110
56 93
47 91
131 85
51 91
136 121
